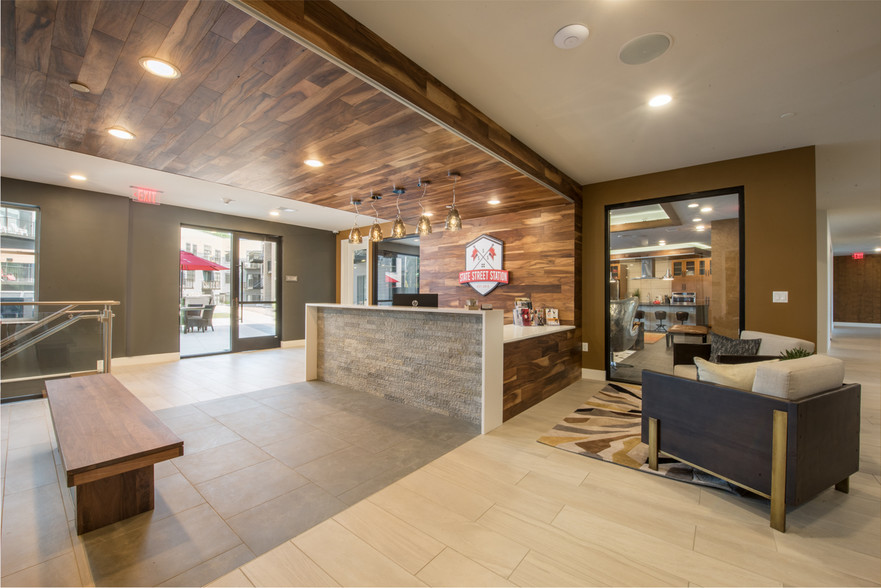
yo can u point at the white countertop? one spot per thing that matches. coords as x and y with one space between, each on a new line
515 333
402 308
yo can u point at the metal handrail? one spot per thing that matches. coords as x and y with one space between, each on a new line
105 317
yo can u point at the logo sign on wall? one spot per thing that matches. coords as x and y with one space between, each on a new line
483 265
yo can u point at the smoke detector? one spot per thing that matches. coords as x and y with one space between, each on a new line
571 36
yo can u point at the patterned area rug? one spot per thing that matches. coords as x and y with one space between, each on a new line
607 427
654 337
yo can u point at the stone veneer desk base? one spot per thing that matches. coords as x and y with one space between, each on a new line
447 361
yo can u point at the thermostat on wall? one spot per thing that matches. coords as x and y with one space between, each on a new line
780 296
290 279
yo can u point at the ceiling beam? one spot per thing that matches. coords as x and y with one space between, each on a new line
329 30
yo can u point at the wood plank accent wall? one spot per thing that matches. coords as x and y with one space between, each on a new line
856 289
539 253
538 368
328 28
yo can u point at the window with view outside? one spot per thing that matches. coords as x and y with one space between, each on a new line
19 242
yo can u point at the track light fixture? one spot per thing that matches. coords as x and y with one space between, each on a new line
398 229
424 226
355 233
375 230
454 221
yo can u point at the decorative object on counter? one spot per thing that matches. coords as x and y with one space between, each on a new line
539 317
375 230
486 306
424 226
523 312
471 304
454 221
552 317
399 231
355 233
483 265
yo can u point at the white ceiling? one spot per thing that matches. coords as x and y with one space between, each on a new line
49 165
734 67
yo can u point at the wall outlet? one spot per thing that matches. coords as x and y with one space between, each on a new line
291 279
780 296
584 346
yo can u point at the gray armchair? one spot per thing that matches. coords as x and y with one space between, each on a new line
622 330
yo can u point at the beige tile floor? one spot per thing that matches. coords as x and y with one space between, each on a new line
504 510
500 509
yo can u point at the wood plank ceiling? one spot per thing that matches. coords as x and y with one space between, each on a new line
250 106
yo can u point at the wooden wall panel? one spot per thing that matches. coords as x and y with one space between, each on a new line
856 289
538 368
539 253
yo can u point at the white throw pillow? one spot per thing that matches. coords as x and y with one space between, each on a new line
797 378
737 375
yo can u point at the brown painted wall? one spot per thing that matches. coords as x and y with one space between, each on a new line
539 253
780 237
856 289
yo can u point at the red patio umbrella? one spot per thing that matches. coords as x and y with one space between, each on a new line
188 261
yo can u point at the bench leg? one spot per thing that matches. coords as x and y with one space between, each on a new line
653 443
844 485
778 472
113 499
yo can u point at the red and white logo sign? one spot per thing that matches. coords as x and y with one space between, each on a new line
483 265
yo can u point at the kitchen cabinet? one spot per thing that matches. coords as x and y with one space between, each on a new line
699 266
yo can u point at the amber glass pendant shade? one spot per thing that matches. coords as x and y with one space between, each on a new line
355 235
398 229
375 233
424 226
454 221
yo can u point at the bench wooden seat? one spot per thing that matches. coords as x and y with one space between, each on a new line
108 441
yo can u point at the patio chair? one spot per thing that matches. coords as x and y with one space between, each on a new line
205 321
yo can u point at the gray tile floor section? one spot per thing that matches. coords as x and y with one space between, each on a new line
259 469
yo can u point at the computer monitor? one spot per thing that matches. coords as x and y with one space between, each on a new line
427 300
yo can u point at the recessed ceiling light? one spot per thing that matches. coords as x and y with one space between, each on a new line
78 177
707 209
160 68
283 209
571 36
787 115
693 205
494 201
426 213
700 228
313 163
660 100
644 48
79 87
662 242
696 219
121 133
877 249
274 213
226 201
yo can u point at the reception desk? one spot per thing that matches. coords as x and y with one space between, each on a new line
450 361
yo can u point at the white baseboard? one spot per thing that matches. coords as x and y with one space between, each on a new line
140 360
587 374
293 343
872 325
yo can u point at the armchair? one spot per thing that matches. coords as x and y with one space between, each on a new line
622 329
795 434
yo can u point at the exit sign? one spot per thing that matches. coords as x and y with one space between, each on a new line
145 195
858 255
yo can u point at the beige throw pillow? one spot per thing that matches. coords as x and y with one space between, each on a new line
739 375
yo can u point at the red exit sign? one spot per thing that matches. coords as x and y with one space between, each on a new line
858 255
145 195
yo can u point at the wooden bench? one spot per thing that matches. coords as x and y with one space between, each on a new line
698 330
108 441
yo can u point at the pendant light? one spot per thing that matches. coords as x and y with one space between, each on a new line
375 230
454 221
424 226
399 231
355 233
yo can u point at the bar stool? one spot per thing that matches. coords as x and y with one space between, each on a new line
682 316
661 316
639 317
